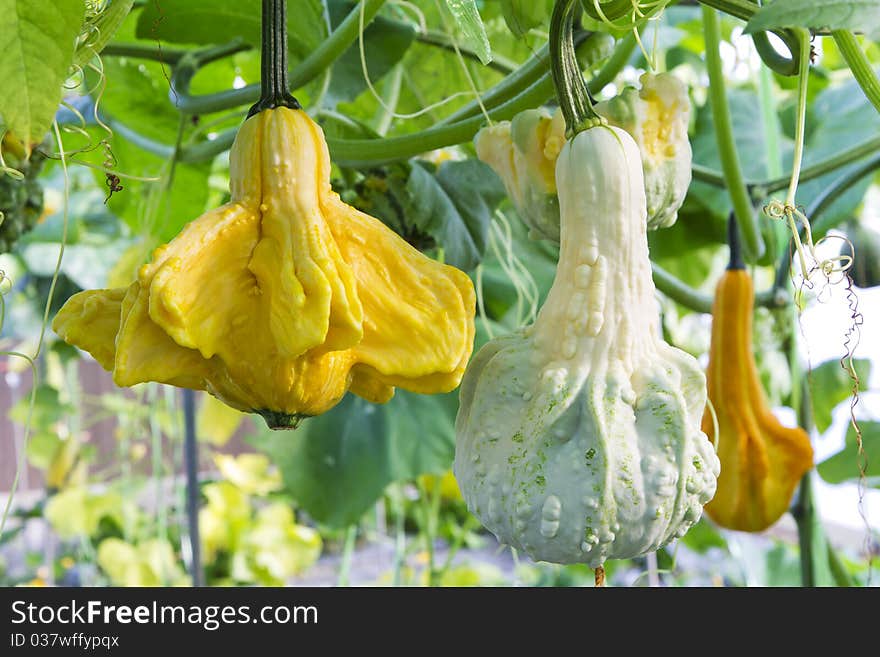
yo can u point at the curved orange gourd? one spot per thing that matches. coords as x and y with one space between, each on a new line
761 460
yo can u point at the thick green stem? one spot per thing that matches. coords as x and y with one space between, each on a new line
813 545
759 189
308 69
371 152
730 165
274 87
536 67
140 51
702 303
859 65
803 514
743 9
571 90
832 163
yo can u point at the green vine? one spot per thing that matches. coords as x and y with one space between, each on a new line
739 195
307 70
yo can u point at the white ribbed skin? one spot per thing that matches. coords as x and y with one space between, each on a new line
578 438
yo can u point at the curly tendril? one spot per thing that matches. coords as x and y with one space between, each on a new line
627 15
807 250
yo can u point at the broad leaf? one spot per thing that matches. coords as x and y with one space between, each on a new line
830 384
862 15
454 206
37 40
846 464
473 32
338 464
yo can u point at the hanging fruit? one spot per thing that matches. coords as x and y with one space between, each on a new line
281 300
762 461
578 438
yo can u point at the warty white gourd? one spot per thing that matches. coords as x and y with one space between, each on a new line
578 437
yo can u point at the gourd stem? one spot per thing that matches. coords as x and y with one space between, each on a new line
307 70
859 65
736 258
571 90
165 55
275 91
739 195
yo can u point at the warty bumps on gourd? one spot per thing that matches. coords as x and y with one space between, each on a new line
523 152
578 438
281 300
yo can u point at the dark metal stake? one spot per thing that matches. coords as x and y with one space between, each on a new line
191 459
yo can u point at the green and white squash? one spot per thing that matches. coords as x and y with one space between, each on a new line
523 152
578 438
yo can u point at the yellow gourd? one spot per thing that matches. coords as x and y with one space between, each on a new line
281 300
761 460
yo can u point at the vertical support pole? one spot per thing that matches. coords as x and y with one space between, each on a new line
191 460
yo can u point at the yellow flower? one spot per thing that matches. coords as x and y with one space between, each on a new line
281 300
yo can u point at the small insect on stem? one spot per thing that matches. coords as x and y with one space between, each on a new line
113 184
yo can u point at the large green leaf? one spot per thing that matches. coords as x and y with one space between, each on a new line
862 15
846 464
36 39
338 464
454 205
830 384
219 21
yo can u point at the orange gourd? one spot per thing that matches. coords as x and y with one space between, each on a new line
762 461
